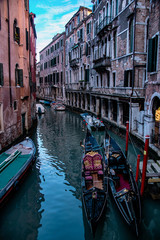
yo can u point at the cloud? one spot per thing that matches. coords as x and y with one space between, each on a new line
51 19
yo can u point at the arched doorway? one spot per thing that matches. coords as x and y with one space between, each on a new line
156 117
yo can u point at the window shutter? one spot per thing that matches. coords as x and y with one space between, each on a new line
125 79
131 78
86 49
1 74
26 39
30 79
150 55
154 52
20 77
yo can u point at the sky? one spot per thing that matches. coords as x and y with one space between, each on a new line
51 17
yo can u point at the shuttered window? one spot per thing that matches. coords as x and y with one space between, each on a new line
1 74
128 78
19 77
152 54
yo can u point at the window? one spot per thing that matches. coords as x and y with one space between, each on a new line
115 44
114 79
152 54
86 75
116 7
18 76
15 105
81 33
1 74
26 4
88 27
131 36
78 19
128 78
66 30
16 32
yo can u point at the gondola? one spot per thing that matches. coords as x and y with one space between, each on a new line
122 184
94 181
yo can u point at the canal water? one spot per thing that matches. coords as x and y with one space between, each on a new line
48 205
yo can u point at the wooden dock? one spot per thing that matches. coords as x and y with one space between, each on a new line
152 184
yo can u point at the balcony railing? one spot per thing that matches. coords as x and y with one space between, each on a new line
105 22
102 62
74 62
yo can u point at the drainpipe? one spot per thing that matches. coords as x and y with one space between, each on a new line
9 55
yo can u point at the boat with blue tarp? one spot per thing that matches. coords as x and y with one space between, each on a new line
14 164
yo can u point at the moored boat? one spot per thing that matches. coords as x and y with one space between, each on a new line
87 118
92 122
94 182
99 124
60 107
122 184
14 163
39 108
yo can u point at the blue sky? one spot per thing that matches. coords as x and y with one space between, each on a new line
51 17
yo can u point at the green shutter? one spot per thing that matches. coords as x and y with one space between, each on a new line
150 55
1 74
20 77
154 53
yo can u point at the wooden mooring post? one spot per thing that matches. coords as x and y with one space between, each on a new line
137 169
145 157
127 135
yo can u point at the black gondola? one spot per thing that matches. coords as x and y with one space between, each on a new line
94 181
122 184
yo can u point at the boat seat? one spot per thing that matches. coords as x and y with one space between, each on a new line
100 174
121 167
88 163
97 162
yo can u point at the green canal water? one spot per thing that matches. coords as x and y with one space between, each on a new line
48 205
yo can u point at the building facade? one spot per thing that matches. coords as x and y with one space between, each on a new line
32 63
152 81
15 94
112 64
52 63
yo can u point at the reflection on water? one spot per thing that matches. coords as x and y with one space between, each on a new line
48 204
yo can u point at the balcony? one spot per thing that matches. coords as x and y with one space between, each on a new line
74 63
101 63
105 24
